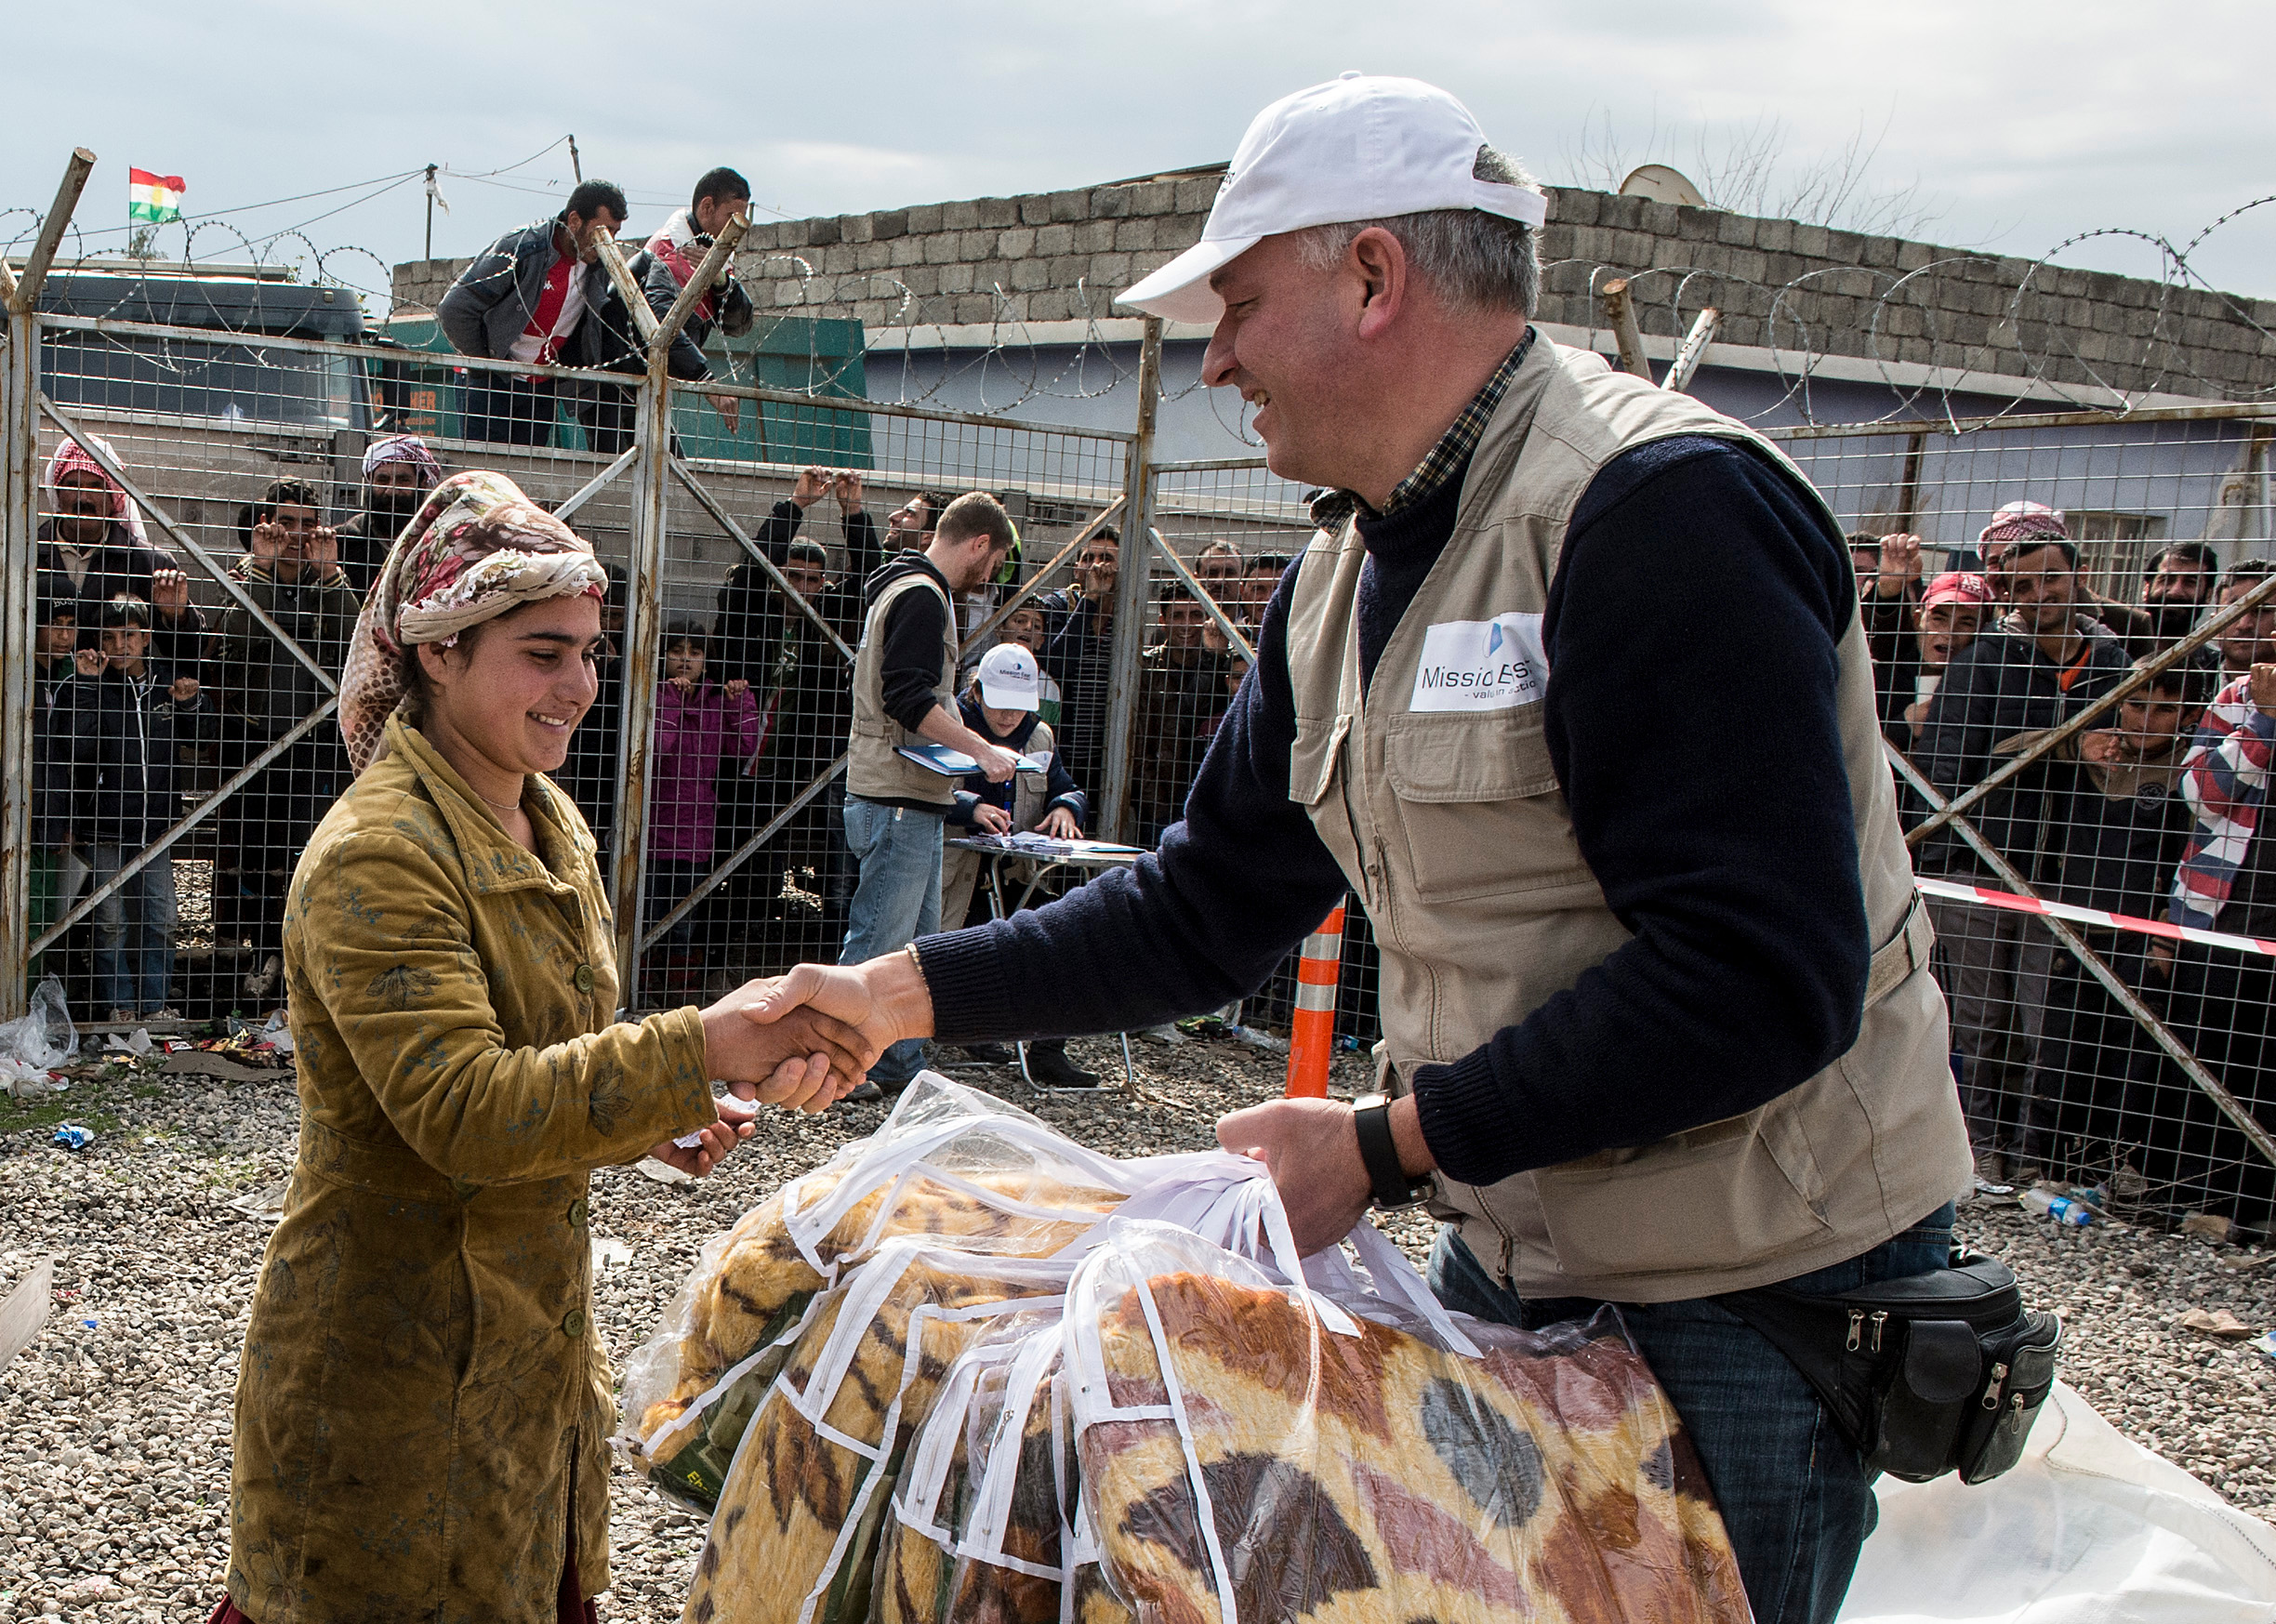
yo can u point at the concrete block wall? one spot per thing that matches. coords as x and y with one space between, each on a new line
1800 290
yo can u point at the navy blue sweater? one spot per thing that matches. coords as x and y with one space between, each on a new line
1690 630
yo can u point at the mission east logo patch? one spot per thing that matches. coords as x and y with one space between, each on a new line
1481 664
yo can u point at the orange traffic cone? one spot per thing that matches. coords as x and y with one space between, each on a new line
1312 1033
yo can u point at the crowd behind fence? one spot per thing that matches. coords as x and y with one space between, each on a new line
2067 691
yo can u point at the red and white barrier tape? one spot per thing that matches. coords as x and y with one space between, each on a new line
2078 916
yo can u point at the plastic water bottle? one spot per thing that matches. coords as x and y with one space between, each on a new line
2061 1208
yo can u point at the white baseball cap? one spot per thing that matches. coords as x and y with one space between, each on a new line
1008 680
1363 147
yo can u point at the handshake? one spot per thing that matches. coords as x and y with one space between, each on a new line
802 1041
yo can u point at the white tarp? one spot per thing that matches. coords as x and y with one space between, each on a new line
2089 1528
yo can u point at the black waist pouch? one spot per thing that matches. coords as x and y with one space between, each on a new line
1935 1373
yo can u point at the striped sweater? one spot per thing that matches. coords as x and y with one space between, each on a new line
2225 778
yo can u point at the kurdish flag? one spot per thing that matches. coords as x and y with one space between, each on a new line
152 200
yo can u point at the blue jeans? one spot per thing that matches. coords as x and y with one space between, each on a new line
896 899
134 977
1795 1497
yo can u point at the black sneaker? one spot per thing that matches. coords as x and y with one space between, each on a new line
991 1053
1051 1069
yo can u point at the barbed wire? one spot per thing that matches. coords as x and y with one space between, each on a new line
1937 355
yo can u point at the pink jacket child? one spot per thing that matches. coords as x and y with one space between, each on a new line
697 727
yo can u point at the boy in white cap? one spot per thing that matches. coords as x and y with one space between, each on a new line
1658 1025
1001 705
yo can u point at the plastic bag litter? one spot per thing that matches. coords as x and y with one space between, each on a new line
36 1042
1242 1458
951 1164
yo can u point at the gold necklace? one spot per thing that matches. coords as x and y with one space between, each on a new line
504 806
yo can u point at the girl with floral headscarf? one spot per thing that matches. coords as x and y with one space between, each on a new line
423 1400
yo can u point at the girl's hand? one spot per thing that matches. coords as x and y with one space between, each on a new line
732 1126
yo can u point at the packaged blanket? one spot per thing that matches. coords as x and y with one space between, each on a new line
988 1501
794 1538
952 1165
1245 1456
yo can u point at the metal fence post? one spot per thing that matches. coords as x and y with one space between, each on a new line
1129 592
19 407
642 662
19 583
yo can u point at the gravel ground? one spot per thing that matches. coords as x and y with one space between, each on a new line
115 1423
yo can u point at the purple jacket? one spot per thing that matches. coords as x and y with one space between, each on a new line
694 734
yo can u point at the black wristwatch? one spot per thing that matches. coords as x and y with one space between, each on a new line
1378 1152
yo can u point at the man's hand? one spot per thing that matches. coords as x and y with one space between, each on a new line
2264 690
169 592
884 999
2101 747
2162 956
847 488
729 408
185 689
1060 824
803 1058
720 1137
1313 1152
812 482
992 819
996 762
88 662
323 546
1901 564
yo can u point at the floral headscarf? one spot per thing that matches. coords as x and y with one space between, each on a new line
477 549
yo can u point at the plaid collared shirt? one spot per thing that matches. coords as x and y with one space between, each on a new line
1330 507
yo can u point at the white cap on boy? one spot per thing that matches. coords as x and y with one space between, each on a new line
1008 679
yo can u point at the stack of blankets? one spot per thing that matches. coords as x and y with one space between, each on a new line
967 1371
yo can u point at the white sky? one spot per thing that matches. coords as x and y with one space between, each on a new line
2026 121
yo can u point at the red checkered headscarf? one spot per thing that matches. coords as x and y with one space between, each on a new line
71 457
2022 521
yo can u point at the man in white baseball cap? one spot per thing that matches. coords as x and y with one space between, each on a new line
1658 1025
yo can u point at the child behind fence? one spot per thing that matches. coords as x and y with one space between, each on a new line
699 725
131 715
1000 705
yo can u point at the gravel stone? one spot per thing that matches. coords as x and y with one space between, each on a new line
115 1423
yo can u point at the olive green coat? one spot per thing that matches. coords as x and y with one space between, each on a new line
422 1390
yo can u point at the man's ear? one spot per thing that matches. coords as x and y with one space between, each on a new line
1379 261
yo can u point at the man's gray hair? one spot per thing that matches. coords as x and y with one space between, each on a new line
1471 257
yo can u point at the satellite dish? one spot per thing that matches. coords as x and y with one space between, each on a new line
1662 184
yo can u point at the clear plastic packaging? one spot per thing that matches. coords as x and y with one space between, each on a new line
1243 1459
794 1538
951 1164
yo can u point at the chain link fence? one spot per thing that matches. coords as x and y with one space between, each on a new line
2066 696
2080 745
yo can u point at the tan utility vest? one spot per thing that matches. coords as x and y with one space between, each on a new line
873 771
1436 796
